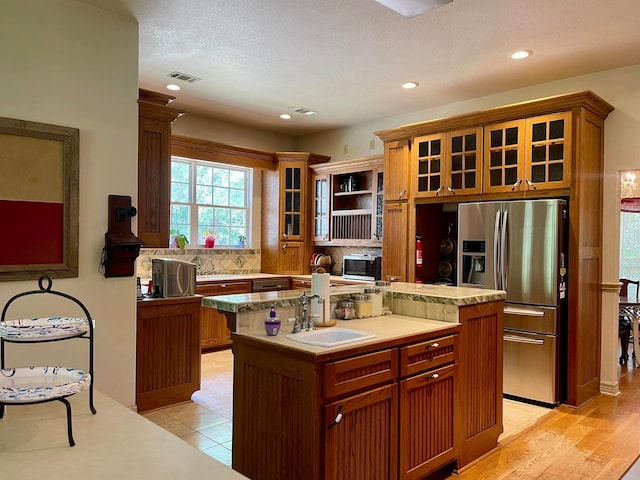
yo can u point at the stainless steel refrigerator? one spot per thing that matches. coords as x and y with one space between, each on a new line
520 247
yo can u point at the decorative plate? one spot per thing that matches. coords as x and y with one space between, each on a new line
44 328
34 384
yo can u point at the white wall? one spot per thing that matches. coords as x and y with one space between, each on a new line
619 87
66 63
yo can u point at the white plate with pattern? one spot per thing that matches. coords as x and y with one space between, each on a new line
35 384
43 328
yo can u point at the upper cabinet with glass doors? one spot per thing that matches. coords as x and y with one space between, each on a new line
446 164
529 154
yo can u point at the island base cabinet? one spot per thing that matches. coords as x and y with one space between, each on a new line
427 414
361 436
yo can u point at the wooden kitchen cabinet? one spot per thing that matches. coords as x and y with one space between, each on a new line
428 406
286 211
213 324
529 154
540 148
396 170
446 164
352 202
364 442
167 351
154 167
395 242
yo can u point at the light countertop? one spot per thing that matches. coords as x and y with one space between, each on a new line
115 443
439 294
388 330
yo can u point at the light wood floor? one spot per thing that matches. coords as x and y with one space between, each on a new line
597 441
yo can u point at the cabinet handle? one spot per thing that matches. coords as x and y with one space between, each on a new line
284 246
402 194
336 420
451 190
433 345
435 376
517 184
438 191
531 184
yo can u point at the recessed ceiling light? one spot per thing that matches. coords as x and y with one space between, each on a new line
172 86
409 85
521 54
285 116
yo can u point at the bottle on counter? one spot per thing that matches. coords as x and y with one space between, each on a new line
272 322
376 300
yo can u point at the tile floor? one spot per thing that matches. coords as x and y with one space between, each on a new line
205 423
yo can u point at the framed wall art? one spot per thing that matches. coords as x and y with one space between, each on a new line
39 200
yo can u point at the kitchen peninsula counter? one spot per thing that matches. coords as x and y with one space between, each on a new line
425 393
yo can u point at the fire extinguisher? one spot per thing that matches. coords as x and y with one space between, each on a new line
418 251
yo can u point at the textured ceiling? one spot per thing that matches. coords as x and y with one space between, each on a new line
346 59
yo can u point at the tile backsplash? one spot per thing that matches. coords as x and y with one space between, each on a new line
210 261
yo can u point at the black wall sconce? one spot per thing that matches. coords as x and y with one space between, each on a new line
122 247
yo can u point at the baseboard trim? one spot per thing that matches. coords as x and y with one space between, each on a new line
612 389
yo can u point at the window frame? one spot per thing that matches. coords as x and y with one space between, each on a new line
195 240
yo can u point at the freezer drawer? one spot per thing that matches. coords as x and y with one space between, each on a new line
530 318
531 367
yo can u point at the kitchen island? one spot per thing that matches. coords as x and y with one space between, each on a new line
425 393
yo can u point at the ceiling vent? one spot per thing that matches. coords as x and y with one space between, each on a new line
184 77
305 111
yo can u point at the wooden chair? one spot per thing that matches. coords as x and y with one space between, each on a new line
624 323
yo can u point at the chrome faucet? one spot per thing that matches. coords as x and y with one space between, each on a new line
304 322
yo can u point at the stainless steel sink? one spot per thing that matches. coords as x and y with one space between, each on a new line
330 337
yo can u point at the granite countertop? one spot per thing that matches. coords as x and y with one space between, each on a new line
114 443
389 330
459 296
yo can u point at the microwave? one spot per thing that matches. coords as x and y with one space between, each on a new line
362 267
173 278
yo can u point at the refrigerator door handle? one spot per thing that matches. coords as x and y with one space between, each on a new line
504 251
523 311
496 252
516 339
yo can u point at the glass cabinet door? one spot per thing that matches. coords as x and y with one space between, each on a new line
465 162
292 212
321 208
549 150
504 157
428 165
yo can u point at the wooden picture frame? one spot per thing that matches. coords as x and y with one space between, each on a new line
39 200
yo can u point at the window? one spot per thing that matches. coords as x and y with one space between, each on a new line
209 196
630 245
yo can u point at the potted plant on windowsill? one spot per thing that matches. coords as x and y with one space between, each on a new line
177 240
209 237
241 240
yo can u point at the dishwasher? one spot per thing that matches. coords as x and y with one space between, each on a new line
270 285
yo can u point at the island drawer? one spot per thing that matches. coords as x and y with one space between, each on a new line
357 373
223 288
427 355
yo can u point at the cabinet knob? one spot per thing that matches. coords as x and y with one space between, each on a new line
435 376
433 345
